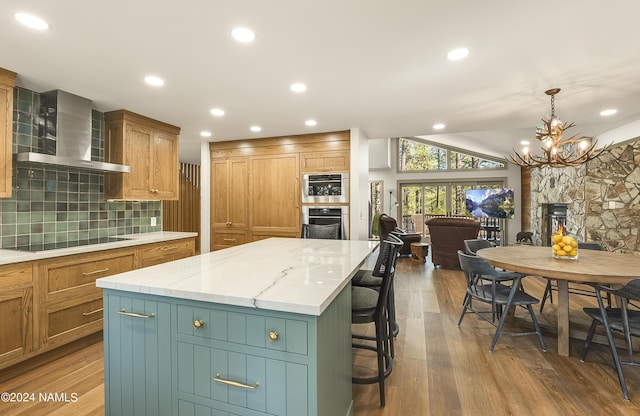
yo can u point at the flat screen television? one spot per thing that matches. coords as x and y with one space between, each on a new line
490 203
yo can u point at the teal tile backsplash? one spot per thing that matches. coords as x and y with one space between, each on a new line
51 204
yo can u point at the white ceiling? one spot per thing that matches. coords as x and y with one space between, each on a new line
375 65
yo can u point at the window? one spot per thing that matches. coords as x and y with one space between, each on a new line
415 155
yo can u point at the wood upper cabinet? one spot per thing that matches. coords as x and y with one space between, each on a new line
275 196
7 82
150 147
314 162
16 310
229 201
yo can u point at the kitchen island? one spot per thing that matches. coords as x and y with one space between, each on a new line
258 329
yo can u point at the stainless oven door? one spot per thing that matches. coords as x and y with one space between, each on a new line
328 215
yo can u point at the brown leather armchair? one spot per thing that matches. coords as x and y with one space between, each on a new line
388 224
447 237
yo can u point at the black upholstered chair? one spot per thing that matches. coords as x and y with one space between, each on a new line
623 320
500 289
389 225
368 306
326 232
575 289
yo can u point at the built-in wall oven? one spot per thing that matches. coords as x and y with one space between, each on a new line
325 188
328 215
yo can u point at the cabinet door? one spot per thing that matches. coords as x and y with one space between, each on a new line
139 140
312 162
16 331
275 195
164 159
230 185
7 80
137 354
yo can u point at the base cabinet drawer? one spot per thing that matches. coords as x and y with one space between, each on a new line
63 322
153 254
228 239
231 381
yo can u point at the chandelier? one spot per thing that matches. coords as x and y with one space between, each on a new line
557 151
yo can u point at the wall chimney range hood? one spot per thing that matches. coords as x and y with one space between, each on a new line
65 134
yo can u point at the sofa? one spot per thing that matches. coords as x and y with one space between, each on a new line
389 224
447 237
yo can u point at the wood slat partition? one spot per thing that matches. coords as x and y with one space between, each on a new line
184 214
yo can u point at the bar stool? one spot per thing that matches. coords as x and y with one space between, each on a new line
370 306
373 279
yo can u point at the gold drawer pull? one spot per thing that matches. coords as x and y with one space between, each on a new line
170 248
273 336
92 312
198 323
135 315
95 272
234 383
229 239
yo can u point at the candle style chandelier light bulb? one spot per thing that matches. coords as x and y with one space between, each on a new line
557 151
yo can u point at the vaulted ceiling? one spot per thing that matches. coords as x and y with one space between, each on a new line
379 66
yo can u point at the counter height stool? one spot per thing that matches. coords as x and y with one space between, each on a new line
370 306
321 231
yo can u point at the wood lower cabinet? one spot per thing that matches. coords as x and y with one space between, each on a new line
150 148
158 253
70 302
7 82
45 304
16 312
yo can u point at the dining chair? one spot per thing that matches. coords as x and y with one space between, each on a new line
321 231
500 289
472 246
368 306
576 290
622 319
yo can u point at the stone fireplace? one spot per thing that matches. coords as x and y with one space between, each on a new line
602 198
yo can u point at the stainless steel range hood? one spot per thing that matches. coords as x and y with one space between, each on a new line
65 134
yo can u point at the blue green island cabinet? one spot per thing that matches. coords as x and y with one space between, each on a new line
168 356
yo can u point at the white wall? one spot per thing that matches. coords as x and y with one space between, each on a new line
391 177
359 192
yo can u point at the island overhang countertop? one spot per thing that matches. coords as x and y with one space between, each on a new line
281 274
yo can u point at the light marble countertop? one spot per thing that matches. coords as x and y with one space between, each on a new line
282 274
16 256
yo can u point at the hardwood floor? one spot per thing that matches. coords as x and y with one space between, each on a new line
439 369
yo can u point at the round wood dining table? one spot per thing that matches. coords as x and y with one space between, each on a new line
591 266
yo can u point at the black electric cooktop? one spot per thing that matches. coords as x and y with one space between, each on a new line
65 244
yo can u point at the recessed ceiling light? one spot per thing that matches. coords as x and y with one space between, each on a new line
608 112
457 54
438 126
153 80
256 128
31 21
217 112
298 87
242 34
205 133
524 142
310 123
